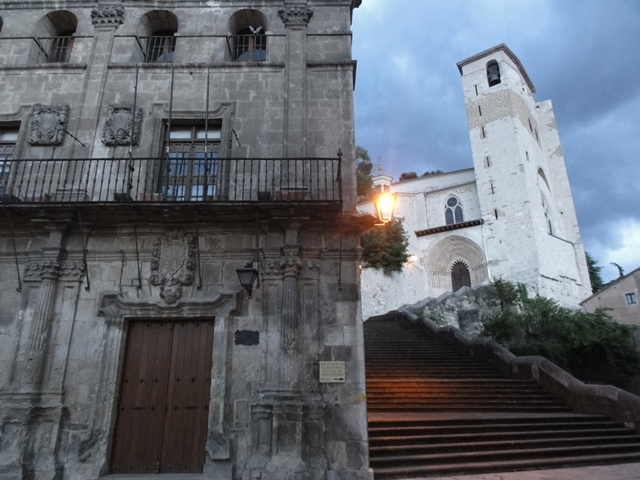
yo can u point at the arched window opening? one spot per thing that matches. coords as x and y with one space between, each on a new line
547 217
54 37
159 28
493 73
453 211
460 276
161 47
249 39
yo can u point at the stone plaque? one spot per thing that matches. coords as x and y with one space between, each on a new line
247 337
332 372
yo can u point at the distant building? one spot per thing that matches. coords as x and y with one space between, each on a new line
510 216
620 299
150 152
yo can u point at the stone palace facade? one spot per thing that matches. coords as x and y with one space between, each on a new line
150 152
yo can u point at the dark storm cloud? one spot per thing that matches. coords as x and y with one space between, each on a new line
580 54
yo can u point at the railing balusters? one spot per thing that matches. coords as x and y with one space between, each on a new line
144 179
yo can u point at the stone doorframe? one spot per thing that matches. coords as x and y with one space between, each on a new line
117 311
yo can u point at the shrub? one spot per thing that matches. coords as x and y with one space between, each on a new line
591 346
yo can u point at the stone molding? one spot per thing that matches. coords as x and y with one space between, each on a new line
107 15
173 261
289 263
295 16
48 124
117 129
37 271
116 310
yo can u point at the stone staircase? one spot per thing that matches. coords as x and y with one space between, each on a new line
433 412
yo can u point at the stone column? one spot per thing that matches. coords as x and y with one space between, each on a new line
296 19
48 272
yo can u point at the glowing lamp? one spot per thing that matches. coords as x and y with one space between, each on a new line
385 205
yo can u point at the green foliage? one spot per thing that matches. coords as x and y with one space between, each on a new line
364 181
428 173
507 293
407 176
589 345
385 247
594 269
620 269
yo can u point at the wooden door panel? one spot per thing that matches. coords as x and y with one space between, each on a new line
138 434
188 398
163 409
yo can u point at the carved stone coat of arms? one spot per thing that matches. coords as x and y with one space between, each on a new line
173 263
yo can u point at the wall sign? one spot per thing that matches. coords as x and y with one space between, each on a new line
332 372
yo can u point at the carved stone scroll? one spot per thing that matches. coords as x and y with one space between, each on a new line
107 15
48 124
173 263
295 15
117 128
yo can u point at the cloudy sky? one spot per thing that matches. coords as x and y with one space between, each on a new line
583 55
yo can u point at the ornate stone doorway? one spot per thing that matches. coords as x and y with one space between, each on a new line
163 407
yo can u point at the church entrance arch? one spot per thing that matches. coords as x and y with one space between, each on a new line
460 276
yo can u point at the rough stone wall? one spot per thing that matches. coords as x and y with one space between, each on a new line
63 334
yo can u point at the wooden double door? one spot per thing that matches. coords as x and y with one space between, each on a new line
163 408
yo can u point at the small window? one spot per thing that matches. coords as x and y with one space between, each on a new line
631 298
248 39
161 47
250 45
493 73
61 48
8 139
190 172
54 37
453 211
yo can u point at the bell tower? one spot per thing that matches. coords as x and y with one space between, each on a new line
530 226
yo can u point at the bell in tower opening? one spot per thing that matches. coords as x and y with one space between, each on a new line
493 73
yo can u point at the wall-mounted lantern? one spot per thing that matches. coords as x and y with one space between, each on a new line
385 205
247 276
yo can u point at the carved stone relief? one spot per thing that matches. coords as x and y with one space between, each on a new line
117 128
173 263
289 264
48 124
295 15
36 271
111 15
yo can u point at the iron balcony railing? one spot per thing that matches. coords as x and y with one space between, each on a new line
172 179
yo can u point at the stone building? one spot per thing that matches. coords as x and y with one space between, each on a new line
150 152
510 216
619 299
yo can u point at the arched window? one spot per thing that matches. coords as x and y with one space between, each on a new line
493 73
54 37
460 276
160 28
249 39
453 211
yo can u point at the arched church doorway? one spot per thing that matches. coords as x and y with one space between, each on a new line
460 276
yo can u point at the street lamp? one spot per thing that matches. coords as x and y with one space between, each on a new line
385 205
247 276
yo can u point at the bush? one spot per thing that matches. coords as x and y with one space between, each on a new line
385 247
591 346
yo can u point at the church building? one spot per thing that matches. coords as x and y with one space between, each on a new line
511 216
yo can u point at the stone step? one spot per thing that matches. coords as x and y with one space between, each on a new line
502 465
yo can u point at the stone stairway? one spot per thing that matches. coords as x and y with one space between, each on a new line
433 412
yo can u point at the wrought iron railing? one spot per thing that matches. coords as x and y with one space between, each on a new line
169 180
